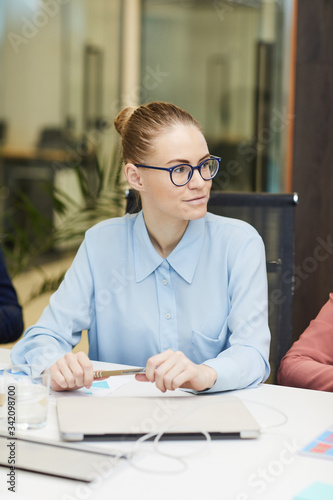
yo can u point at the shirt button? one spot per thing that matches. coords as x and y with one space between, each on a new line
167 316
164 281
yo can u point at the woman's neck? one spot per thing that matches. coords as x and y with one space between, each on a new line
165 236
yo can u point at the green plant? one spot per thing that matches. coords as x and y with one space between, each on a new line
22 242
101 185
102 192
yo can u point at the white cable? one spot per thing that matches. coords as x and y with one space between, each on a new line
270 407
186 455
158 436
132 454
180 458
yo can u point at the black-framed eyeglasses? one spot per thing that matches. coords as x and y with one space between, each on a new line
183 173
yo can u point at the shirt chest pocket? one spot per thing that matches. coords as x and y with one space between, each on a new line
204 347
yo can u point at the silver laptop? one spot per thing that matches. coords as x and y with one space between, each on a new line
65 460
178 417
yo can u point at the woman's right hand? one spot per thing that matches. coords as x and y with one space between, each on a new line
73 371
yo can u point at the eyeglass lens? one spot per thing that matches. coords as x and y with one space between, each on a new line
182 174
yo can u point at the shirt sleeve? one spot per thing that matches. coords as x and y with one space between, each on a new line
11 320
309 362
244 360
60 326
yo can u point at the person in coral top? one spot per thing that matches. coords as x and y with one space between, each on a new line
309 362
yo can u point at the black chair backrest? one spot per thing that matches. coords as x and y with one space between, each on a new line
273 217
3 132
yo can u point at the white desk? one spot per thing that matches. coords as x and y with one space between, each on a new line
268 468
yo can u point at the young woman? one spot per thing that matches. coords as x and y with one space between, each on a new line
173 288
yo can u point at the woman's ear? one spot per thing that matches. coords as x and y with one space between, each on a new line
133 176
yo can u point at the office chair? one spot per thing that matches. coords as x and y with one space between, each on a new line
52 138
3 132
273 217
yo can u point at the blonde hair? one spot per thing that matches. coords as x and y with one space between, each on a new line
139 127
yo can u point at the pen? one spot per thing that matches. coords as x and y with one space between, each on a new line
112 373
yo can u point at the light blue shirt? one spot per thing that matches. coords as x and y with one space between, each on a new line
208 299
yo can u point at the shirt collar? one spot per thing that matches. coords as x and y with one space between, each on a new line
183 259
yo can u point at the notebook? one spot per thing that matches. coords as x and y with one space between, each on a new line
178 417
56 459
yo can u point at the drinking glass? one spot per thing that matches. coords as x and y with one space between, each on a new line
26 397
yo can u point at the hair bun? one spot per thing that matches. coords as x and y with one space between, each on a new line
122 118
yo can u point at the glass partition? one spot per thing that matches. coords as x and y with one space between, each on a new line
90 62
2 96
223 62
59 66
3 190
59 88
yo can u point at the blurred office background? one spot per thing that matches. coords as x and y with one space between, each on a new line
68 66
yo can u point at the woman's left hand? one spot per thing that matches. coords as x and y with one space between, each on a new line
171 370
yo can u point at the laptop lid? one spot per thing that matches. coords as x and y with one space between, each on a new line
180 417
